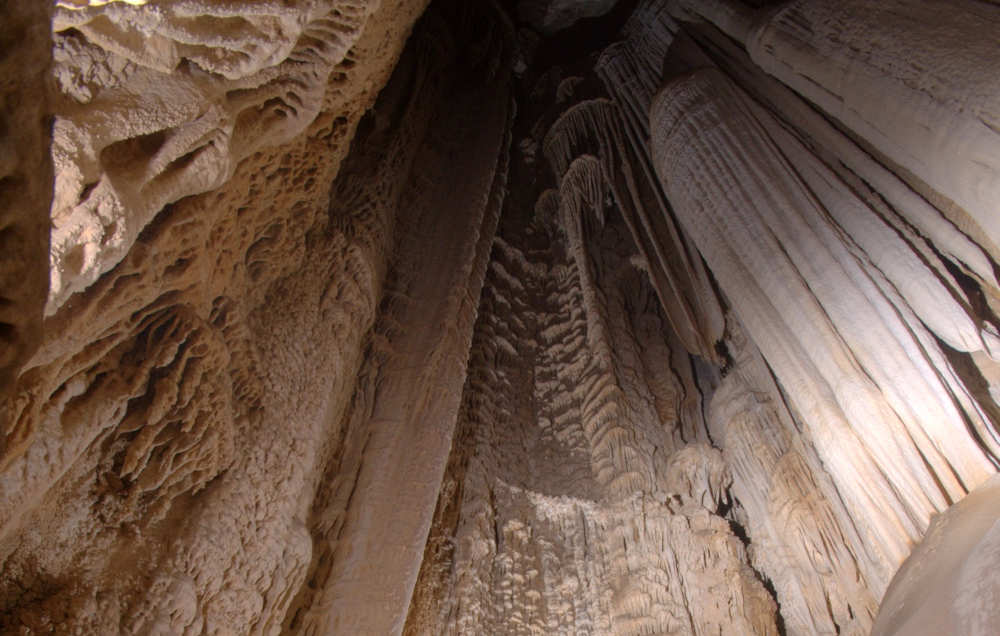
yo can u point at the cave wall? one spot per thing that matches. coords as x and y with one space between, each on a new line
811 389
357 317
186 450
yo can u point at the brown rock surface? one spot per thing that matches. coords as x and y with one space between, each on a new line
360 317
25 182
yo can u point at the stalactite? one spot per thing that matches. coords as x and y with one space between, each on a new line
539 317
907 211
595 127
836 340
913 80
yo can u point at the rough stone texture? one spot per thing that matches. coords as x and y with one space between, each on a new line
565 520
188 412
684 326
854 311
25 181
163 99
802 536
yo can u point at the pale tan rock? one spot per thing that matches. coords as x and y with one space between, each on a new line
583 509
598 128
948 585
554 529
698 474
632 71
164 99
912 79
460 365
909 213
179 417
802 538
787 271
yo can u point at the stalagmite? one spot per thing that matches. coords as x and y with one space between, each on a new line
436 317
805 541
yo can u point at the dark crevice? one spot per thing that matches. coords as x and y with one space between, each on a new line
728 510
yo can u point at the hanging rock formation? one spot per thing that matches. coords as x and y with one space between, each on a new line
521 317
550 16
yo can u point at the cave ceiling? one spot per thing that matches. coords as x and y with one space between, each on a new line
610 317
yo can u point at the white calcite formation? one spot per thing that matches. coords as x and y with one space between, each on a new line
914 80
911 79
448 318
871 392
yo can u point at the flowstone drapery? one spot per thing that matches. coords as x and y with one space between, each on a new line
515 317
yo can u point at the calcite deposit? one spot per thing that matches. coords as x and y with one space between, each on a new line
435 317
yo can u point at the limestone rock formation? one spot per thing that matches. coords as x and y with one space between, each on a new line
534 317
550 16
163 100
851 390
944 587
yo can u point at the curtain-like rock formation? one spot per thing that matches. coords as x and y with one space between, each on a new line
549 317
857 366
914 81
832 467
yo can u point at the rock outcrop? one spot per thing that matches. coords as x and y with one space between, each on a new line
944 586
359 317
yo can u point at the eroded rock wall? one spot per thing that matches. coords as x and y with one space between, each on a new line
162 100
184 446
577 509
25 181
690 328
